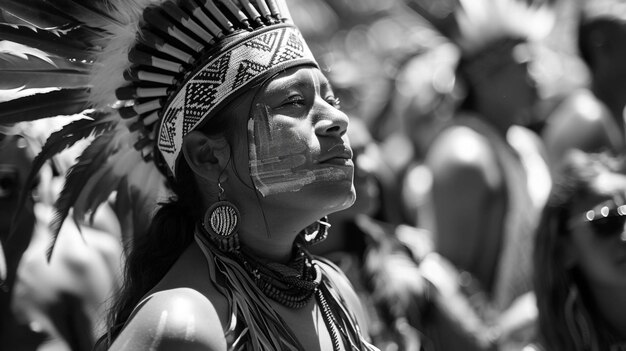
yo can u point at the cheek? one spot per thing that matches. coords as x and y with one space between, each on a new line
282 154
277 155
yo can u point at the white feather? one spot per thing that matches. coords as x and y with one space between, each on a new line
483 21
113 60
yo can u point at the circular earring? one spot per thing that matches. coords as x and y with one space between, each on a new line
221 221
315 233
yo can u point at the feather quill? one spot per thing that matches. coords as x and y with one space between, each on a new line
43 105
26 79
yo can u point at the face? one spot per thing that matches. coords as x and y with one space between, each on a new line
598 233
513 87
299 152
366 158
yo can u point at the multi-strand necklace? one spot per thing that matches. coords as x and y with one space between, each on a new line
294 284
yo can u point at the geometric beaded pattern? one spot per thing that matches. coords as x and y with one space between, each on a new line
257 56
224 220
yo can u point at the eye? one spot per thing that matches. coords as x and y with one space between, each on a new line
334 101
294 100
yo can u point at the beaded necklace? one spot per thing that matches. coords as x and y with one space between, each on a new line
292 285
246 279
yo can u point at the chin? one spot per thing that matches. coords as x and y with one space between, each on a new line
322 198
340 199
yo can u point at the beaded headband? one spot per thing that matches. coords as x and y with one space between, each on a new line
192 57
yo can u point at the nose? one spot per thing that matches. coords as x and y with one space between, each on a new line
331 122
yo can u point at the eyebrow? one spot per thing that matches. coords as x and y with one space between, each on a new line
295 83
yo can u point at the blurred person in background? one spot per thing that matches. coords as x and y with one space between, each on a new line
490 179
592 118
15 160
580 257
57 304
424 99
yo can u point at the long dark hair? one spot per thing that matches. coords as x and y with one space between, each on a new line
553 280
171 230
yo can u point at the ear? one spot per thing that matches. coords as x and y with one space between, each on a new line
207 156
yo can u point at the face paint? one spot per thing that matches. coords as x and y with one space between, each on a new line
281 158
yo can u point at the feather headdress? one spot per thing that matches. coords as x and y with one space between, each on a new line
475 24
143 73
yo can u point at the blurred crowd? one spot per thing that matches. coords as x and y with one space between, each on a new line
488 140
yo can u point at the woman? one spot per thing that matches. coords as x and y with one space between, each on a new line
229 102
580 257
306 132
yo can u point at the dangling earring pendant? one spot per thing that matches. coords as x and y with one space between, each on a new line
319 234
221 222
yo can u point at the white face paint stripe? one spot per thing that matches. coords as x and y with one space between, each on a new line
282 151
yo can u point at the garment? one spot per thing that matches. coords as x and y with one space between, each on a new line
522 192
527 181
260 327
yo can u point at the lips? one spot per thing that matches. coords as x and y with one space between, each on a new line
339 154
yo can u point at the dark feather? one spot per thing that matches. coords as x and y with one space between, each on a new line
85 11
59 141
25 60
44 105
104 182
88 163
36 12
25 68
43 79
62 43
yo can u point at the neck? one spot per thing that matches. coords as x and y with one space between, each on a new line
270 234
275 247
500 119
611 303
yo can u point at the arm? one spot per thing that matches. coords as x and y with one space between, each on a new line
177 319
580 122
467 201
467 205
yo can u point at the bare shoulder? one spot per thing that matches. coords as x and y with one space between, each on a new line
460 155
174 319
581 122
